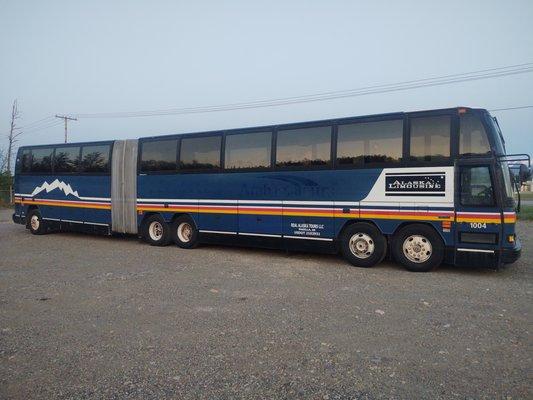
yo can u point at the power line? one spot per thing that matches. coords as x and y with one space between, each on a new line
38 122
50 125
375 89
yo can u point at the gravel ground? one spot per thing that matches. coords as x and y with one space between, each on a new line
97 317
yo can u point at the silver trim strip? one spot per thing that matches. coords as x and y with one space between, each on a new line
95 223
259 234
52 219
309 238
74 222
221 232
475 250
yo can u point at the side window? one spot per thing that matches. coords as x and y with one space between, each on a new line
248 150
66 159
476 187
430 138
370 142
25 162
95 158
304 147
200 153
472 135
159 155
42 160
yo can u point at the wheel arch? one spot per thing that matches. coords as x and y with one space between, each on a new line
425 223
355 221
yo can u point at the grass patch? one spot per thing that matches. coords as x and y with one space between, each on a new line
526 213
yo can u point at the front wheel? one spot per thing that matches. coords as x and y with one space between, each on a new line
418 247
363 245
36 225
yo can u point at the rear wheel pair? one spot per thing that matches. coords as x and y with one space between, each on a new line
182 231
418 247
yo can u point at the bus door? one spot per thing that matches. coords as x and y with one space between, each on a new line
478 215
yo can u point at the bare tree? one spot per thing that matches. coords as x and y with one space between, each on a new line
3 161
14 133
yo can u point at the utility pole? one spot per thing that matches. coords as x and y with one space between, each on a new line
65 118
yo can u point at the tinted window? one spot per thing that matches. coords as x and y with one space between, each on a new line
248 150
95 158
66 159
159 155
25 161
370 142
430 138
472 136
304 147
200 153
476 187
42 160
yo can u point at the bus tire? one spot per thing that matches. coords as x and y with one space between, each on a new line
36 225
363 245
184 232
418 248
156 231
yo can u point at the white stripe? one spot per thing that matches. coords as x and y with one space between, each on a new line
476 213
80 197
308 237
221 232
258 234
52 219
260 202
475 250
74 222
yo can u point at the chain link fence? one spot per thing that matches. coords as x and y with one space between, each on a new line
6 191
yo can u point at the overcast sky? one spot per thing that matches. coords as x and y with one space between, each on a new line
108 56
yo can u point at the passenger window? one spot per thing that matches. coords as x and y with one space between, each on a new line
25 162
66 159
304 147
200 153
370 142
95 158
42 160
159 155
430 138
476 187
472 136
248 150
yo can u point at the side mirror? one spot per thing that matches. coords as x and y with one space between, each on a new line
524 174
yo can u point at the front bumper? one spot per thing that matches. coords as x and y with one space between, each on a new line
509 256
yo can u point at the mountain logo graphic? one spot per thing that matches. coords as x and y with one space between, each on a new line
57 184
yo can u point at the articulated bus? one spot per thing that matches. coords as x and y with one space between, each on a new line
421 188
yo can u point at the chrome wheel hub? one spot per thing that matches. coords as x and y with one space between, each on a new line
155 230
417 248
34 222
361 245
185 232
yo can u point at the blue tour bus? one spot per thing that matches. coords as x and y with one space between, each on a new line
422 187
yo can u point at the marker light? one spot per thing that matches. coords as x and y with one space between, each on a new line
511 238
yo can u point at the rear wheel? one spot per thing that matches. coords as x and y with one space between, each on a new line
184 232
363 245
418 247
156 231
36 225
